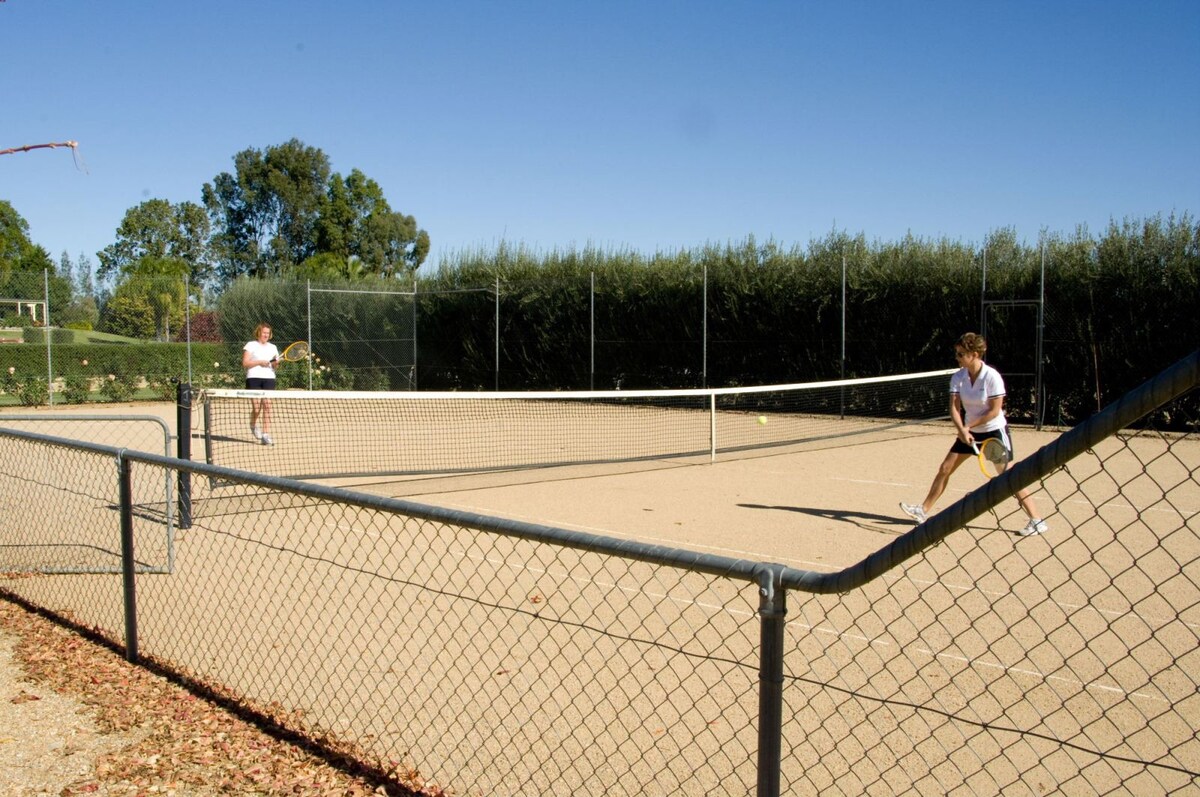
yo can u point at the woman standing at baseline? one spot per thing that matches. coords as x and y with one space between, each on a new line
259 358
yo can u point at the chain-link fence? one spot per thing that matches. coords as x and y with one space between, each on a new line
1066 340
585 331
496 657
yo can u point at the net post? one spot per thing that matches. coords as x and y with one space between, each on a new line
183 450
712 427
206 408
772 613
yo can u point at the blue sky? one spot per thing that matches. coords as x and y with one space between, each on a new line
642 125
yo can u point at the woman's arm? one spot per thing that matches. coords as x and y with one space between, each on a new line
956 415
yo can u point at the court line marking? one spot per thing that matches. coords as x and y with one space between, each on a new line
980 663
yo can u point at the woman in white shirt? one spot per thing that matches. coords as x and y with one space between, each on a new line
259 358
977 410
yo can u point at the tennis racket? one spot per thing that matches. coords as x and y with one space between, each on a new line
296 352
993 456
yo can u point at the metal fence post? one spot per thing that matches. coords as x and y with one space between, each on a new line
128 565
49 334
772 611
183 447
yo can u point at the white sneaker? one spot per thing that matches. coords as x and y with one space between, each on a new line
266 439
1034 526
914 511
257 434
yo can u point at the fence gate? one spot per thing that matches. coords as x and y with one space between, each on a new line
1013 329
88 541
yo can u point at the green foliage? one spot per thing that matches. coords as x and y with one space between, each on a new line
81 370
282 207
155 233
1117 310
372 317
76 388
130 314
37 336
324 377
119 387
1118 306
22 321
28 390
372 379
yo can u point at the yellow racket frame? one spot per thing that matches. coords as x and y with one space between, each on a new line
993 456
295 352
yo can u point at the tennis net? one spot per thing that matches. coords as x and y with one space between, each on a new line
326 434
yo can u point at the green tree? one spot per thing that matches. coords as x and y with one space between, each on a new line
158 282
265 215
156 230
329 267
84 284
22 263
81 311
282 206
14 241
128 312
358 222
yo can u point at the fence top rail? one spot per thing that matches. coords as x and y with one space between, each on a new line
741 569
362 292
25 416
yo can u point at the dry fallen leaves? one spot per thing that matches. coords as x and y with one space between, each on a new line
188 745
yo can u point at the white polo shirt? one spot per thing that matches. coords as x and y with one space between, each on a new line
261 351
974 397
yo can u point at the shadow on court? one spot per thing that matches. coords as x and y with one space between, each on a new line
864 520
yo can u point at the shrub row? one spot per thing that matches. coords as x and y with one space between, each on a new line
85 372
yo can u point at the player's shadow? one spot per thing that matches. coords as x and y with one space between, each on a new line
865 520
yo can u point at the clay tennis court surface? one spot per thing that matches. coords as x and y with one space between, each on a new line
823 507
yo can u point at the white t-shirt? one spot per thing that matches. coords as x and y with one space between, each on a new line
974 397
261 351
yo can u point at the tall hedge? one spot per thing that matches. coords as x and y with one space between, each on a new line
1116 309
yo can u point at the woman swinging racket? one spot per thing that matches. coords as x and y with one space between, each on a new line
977 410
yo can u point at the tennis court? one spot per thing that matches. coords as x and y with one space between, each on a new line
552 670
822 504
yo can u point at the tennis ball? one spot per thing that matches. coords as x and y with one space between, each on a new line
762 420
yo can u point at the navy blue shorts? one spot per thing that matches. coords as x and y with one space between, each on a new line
1002 435
258 383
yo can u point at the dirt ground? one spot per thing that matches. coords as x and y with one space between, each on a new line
76 719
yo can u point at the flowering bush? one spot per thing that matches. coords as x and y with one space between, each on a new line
76 388
324 377
166 389
29 392
117 387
